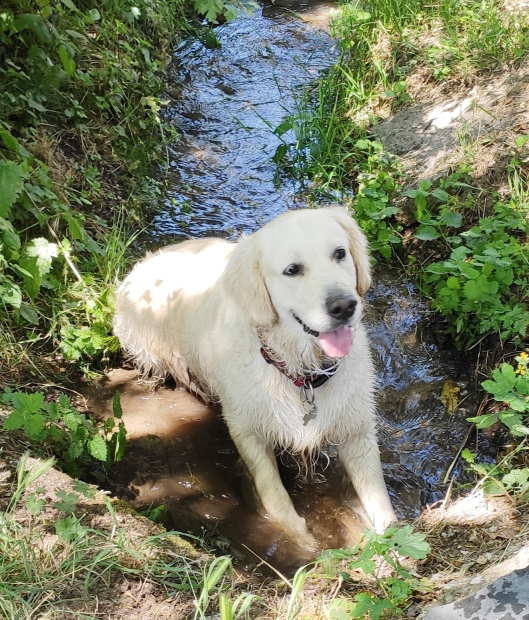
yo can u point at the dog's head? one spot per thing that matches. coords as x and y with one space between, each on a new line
307 268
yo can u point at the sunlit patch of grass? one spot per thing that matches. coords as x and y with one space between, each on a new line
60 570
384 43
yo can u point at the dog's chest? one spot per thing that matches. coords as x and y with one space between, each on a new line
302 420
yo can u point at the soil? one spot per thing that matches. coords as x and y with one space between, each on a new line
476 124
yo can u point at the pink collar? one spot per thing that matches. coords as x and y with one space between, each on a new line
306 380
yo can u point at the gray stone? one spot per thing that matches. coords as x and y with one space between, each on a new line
504 599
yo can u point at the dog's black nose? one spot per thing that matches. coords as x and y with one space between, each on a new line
341 307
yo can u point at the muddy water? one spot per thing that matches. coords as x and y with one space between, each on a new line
229 100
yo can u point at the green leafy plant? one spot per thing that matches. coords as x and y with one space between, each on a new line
213 10
500 478
73 436
437 207
509 387
377 182
80 132
392 591
480 287
509 405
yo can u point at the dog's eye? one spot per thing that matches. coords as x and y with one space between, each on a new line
339 254
295 269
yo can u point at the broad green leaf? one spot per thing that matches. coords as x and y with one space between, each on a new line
11 143
72 420
28 314
34 426
284 126
10 293
35 23
93 15
29 402
427 233
69 528
67 501
411 543
342 609
364 564
504 380
460 253
67 60
75 449
400 588
35 504
69 4
517 478
367 605
11 184
84 489
468 456
513 421
484 421
98 448
440 194
493 487
467 270
31 275
8 235
14 420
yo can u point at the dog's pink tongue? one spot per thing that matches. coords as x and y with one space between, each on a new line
337 343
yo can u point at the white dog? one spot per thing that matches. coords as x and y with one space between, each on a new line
271 327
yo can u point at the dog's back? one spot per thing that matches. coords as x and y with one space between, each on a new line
150 299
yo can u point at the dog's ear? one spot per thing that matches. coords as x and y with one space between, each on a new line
244 282
358 247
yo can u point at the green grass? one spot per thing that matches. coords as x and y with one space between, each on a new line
60 574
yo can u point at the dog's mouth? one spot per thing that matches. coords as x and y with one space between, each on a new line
306 328
336 343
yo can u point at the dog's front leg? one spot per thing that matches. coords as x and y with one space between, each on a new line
361 459
261 462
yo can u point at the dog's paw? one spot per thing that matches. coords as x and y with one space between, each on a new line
382 520
298 533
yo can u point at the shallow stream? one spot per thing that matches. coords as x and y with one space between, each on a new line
228 100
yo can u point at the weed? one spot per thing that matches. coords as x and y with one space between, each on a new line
502 478
510 387
377 183
438 209
213 10
480 287
72 435
393 591
509 390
